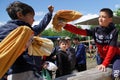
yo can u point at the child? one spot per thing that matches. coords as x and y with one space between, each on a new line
80 53
71 54
105 36
62 60
22 14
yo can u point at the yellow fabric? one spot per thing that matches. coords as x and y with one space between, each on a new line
66 16
40 46
13 46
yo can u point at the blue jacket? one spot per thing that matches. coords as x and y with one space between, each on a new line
80 54
25 62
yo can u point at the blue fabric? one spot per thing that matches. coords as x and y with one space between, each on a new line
98 59
116 66
81 54
43 24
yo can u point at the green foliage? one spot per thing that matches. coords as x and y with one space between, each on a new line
117 12
51 32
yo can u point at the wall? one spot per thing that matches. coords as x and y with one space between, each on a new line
91 74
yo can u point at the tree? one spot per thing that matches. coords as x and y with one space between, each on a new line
63 33
117 12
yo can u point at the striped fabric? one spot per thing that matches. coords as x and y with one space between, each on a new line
65 16
13 46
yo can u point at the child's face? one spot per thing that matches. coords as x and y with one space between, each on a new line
104 19
28 18
63 46
75 41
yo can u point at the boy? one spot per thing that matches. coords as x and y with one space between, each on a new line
62 59
71 53
105 36
22 14
81 64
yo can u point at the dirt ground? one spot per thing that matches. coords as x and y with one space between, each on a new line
91 63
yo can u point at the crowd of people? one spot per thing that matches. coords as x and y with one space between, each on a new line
65 56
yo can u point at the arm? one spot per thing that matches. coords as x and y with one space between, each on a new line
109 56
75 30
44 22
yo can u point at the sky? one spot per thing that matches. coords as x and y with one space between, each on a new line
86 7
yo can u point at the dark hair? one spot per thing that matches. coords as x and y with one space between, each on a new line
108 11
18 6
63 41
76 38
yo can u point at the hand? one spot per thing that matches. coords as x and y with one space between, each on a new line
45 65
54 57
101 68
62 23
51 8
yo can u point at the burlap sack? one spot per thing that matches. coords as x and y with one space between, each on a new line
40 46
13 46
65 16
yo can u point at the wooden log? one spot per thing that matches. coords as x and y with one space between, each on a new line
91 74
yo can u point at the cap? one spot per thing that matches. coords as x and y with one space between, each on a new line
67 38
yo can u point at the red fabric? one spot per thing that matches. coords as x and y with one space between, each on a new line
44 58
107 53
75 30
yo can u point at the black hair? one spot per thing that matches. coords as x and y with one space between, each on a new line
63 41
76 38
18 6
108 11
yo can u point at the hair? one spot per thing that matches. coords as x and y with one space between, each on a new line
76 38
108 11
18 6
63 41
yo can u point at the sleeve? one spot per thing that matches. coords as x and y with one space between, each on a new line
79 31
43 23
75 30
112 49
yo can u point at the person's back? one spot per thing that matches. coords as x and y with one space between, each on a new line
23 15
81 51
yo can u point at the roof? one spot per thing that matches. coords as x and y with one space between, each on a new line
94 21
